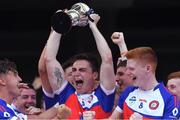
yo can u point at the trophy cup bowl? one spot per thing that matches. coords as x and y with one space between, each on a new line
62 21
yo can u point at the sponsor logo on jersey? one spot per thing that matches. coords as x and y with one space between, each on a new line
153 105
132 99
175 111
6 114
142 100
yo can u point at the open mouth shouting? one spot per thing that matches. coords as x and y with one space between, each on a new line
133 77
27 106
119 82
79 84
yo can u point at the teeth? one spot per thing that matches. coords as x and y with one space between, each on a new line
27 106
79 83
120 82
132 77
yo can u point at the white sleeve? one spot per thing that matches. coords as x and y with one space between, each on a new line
64 84
14 118
107 92
119 109
19 116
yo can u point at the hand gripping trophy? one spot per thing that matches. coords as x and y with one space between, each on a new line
78 15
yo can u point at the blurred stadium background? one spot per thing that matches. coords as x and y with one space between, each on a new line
25 27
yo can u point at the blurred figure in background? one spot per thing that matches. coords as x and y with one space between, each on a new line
39 93
9 88
26 102
67 67
173 83
122 79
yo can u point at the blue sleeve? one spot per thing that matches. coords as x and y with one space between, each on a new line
59 98
172 108
106 101
2 115
49 102
124 95
5 113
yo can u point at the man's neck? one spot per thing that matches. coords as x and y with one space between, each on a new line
150 84
89 92
5 96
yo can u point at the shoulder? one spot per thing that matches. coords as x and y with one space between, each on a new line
164 91
127 91
130 89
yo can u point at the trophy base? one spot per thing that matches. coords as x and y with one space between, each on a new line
61 22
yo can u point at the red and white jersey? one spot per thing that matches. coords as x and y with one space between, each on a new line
157 103
101 101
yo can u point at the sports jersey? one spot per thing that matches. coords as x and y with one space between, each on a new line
157 103
7 112
97 101
20 115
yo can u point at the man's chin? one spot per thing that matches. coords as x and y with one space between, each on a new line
135 85
79 91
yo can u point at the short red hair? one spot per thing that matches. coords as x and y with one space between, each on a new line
143 54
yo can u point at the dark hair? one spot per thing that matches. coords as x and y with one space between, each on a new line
6 66
122 62
30 86
68 63
91 58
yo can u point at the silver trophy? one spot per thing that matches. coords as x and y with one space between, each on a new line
78 15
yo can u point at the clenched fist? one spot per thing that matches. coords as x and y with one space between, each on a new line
117 37
63 111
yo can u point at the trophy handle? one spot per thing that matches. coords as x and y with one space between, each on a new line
88 13
61 22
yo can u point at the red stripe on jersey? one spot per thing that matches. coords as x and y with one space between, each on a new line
73 103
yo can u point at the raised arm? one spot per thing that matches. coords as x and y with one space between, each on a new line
118 39
107 76
43 73
54 68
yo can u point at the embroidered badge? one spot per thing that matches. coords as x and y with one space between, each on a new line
153 105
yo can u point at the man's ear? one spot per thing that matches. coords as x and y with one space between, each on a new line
2 81
95 75
148 67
